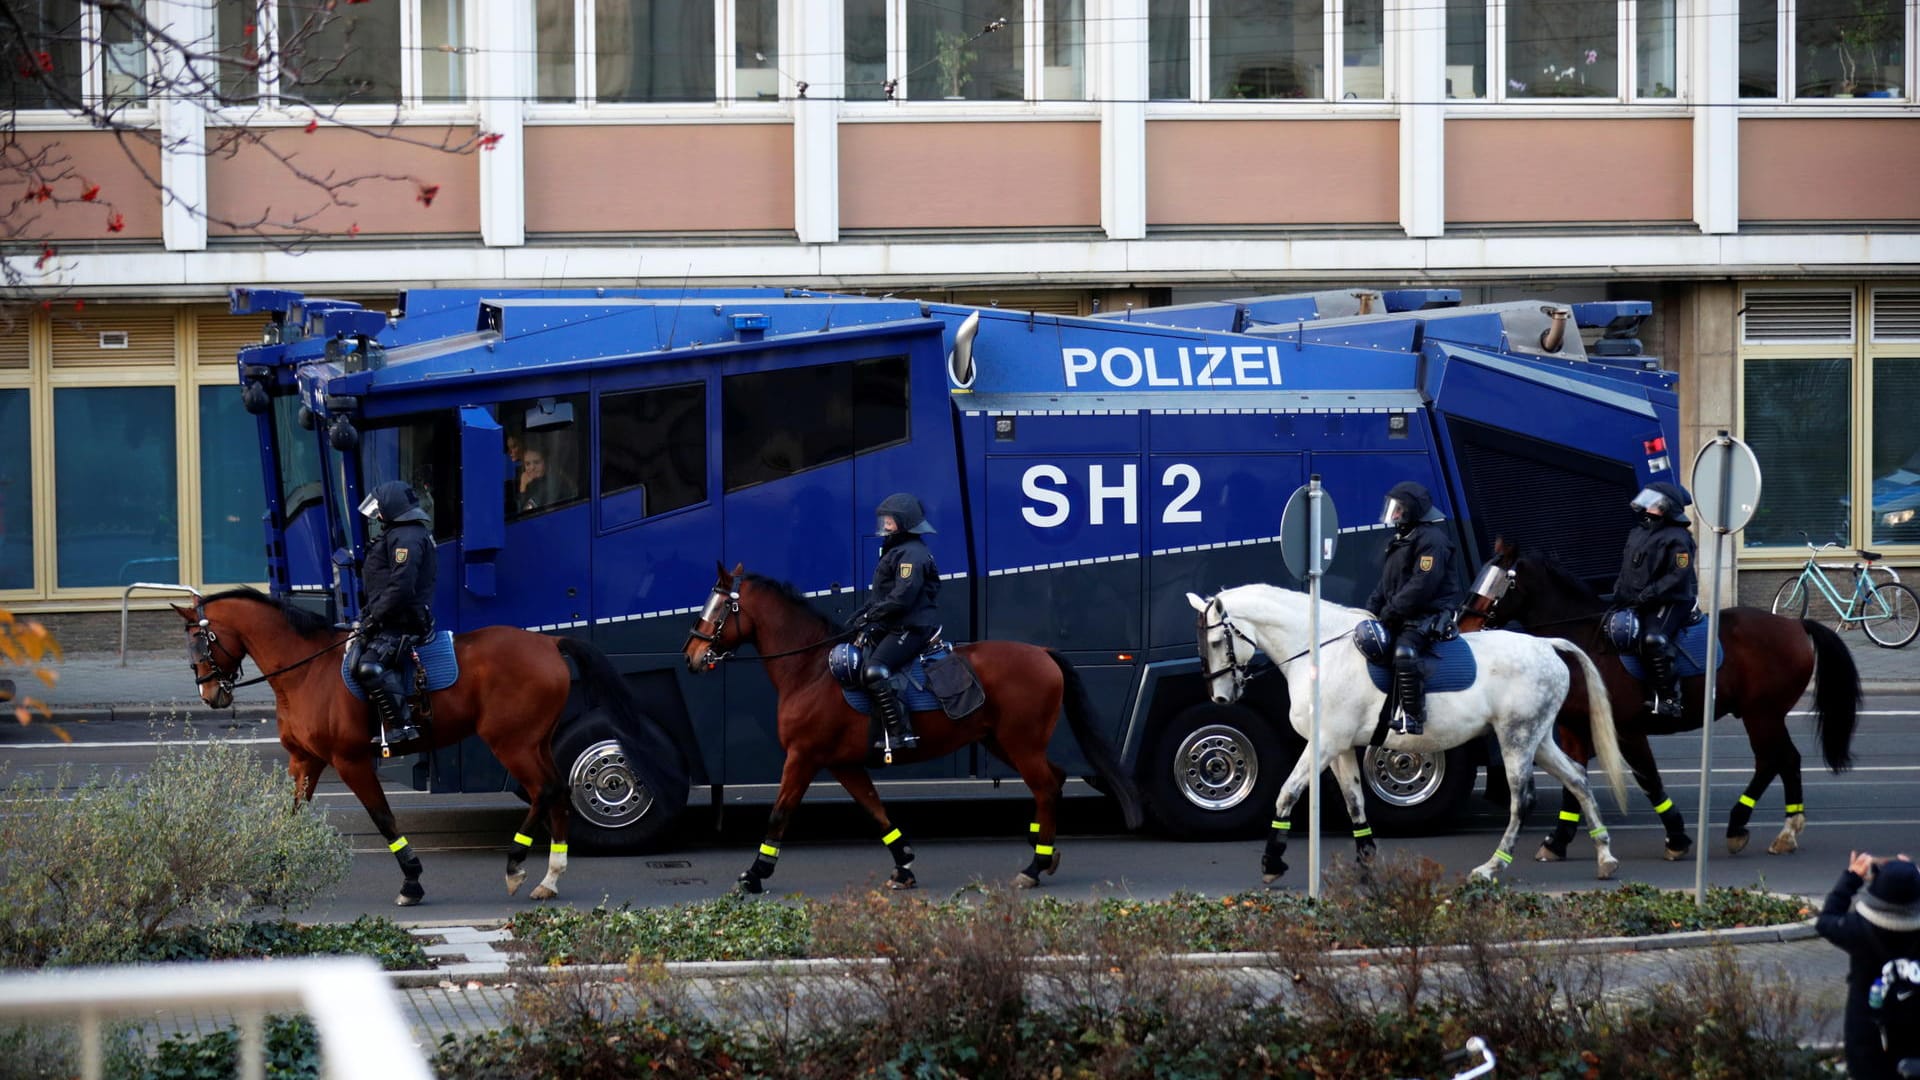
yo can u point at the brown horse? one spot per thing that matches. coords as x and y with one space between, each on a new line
1769 661
1025 687
512 688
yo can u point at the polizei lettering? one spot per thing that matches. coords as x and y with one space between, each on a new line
1195 365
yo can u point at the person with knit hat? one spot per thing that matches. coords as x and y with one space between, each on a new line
1880 929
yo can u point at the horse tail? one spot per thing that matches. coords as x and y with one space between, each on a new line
1606 741
1836 695
1081 719
605 688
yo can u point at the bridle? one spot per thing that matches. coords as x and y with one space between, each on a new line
1236 667
1510 575
723 601
201 643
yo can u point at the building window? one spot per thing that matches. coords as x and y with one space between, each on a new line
1265 50
966 50
653 448
16 489
320 53
63 54
854 408
115 480
1834 49
231 503
615 52
1830 383
1607 50
547 440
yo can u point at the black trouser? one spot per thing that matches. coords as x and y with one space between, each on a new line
1660 628
888 656
378 668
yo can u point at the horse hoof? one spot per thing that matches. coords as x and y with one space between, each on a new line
749 885
1607 866
515 880
1547 854
902 880
403 900
1737 842
1784 844
1024 880
1053 867
541 892
1482 873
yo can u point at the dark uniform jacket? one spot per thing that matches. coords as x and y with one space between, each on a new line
1868 948
905 585
398 575
1417 580
1658 568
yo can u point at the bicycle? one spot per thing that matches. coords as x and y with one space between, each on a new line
1887 610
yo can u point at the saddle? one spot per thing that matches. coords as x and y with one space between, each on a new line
1692 660
426 667
939 678
1448 666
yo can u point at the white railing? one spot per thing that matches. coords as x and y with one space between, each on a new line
152 586
352 1006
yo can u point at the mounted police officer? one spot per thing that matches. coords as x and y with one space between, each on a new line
1659 583
1417 597
899 618
398 577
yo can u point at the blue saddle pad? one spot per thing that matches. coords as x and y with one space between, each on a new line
1450 667
1693 655
917 698
436 653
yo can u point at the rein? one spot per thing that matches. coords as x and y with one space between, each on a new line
229 681
758 657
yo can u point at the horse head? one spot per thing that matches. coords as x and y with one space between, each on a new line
717 632
215 659
1490 586
1221 663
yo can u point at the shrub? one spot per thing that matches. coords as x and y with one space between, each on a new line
209 835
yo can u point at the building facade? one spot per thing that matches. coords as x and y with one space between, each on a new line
1751 166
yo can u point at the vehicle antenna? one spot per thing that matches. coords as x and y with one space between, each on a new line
674 325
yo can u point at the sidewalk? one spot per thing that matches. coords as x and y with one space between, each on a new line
94 686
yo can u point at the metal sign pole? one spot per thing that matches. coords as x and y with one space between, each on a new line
1723 514
1314 569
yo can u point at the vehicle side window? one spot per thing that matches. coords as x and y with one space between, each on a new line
423 451
777 423
655 441
547 440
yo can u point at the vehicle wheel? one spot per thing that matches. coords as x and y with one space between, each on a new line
1791 599
1902 616
1213 771
1409 792
615 810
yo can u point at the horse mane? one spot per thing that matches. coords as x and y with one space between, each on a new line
786 591
1558 574
304 622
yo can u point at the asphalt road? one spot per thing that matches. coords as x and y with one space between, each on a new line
462 838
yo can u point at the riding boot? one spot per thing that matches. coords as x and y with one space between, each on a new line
1412 692
893 716
388 696
1662 684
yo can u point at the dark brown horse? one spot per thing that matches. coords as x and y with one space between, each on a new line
1025 687
511 691
1769 661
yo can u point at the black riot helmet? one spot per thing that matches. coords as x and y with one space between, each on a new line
393 502
1661 501
1407 505
906 513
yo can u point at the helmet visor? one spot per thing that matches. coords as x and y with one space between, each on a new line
1393 512
369 506
1650 501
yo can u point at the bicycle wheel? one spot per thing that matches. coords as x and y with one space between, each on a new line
1791 600
1892 615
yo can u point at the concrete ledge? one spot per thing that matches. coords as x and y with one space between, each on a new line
733 969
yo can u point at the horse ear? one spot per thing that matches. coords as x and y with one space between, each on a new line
719 570
186 613
1198 604
739 571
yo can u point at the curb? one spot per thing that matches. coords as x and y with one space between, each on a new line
733 969
80 714
1891 687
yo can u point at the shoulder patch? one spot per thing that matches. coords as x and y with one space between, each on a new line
400 555
1681 560
1426 563
906 569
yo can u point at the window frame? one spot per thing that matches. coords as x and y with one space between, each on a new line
583 400
1332 60
601 490
1860 351
1786 63
726 81
1627 64
1032 74
412 75
855 450
93 69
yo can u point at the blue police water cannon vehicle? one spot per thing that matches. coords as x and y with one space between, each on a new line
587 455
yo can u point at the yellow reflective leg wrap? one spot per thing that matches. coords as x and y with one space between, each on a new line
1570 815
1043 849
1796 808
1033 827
1665 805
1283 826
397 845
1503 857
769 851
1362 834
890 837
1748 801
523 839
557 849
1599 833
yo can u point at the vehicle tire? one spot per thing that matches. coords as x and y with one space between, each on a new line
1212 771
1410 793
1791 599
1902 619
615 811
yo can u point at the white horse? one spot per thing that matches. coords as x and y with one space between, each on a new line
1520 687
